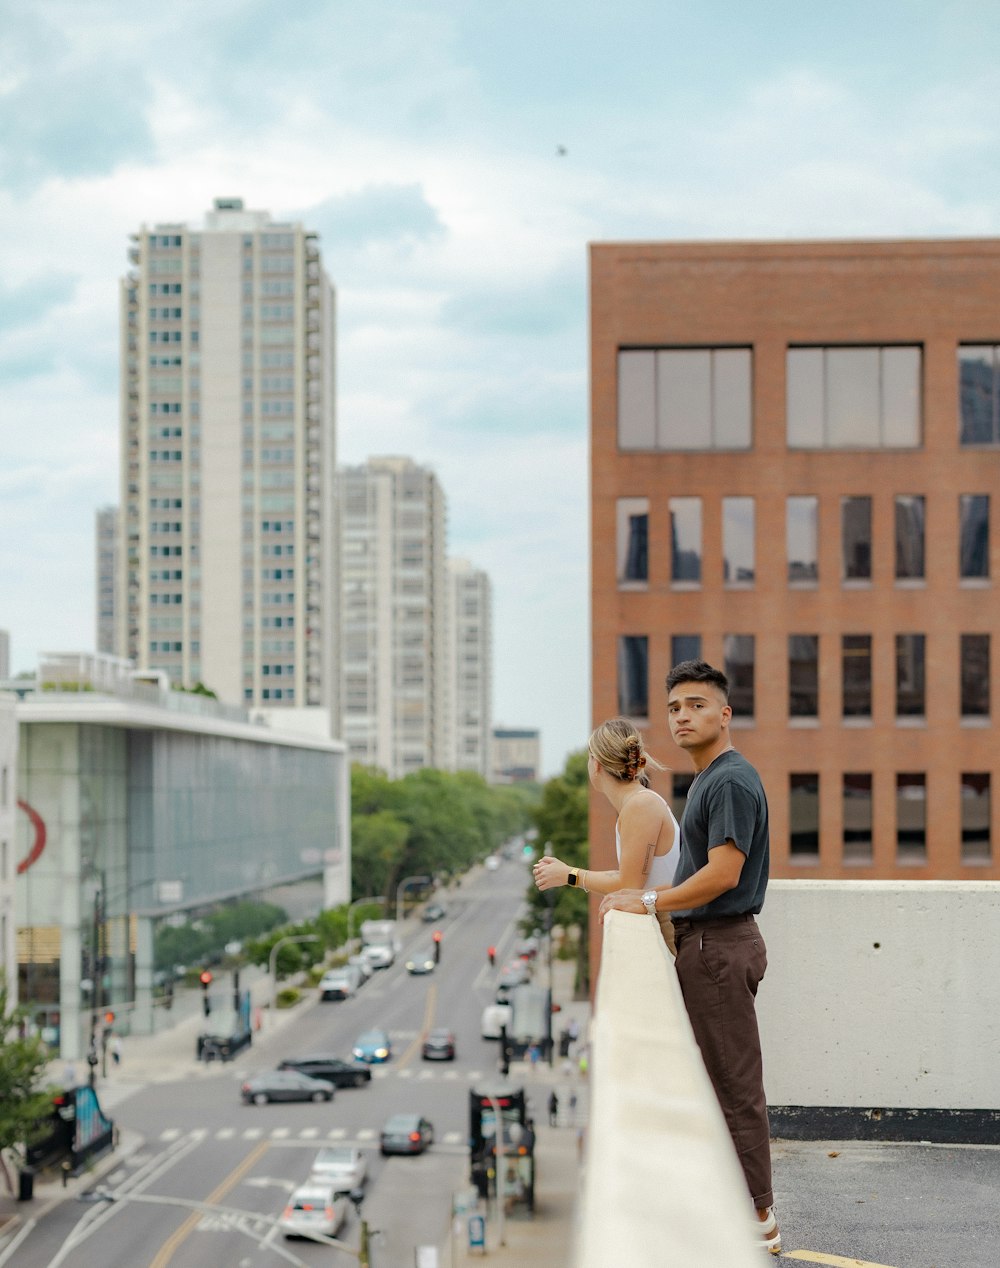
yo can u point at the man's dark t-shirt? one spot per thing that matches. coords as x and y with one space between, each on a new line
726 802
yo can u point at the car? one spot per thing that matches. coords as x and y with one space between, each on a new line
340 983
421 961
314 1207
331 1069
360 963
372 1047
438 1045
379 956
527 948
432 912
285 1085
494 1017
343 1166
492 863
406 1134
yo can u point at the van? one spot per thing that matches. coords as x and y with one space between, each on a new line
494 1017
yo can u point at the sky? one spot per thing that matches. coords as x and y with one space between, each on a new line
456 159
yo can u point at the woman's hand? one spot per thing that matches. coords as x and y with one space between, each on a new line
622 900
549 872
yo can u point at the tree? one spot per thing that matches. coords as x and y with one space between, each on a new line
24 1106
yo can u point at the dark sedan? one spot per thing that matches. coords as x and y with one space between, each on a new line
406 1134
285 1085
332 1069
439 1045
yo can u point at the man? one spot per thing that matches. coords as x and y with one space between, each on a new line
719 887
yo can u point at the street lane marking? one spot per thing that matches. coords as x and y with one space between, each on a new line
366 1133
225 1133
405 1074
279 1133
170 1134
833 1261
452 1138
252 1133
338 1133
429 1006
309 1133
166 1251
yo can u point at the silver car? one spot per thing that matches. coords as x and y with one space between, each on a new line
343 1166
314 1207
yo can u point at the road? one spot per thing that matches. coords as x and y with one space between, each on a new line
203 1146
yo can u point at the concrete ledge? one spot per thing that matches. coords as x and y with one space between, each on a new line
922 1126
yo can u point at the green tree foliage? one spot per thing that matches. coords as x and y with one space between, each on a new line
203 940
23 1106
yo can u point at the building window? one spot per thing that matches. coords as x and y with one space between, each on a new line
684 398
979 394
911 818
633 541
684 647
974 536
802 540
853 398
974 658
803 675
976 847
803 817
685 540
738 656
909 537
857 818
856 538
856 675
633 675
910 702
738 556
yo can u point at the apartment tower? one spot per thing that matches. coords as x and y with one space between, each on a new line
795 463
228 571
394 612
471 654
108 575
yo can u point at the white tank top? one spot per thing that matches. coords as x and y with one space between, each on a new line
664 865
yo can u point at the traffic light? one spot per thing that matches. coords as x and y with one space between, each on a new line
437 946
205 978
492 953
109 1018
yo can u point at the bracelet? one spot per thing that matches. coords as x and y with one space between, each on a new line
582 884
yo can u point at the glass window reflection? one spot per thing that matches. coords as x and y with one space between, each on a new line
911 818
974 535
856 675
803 817
802 539
909 512
856 538
856 816
979 394
738 658
974 658
632 552
738 541
685 540
910 691
633 675
976 814
803 675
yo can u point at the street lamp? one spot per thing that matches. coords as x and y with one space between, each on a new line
359 902
406 881
273 962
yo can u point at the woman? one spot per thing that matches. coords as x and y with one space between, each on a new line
647 836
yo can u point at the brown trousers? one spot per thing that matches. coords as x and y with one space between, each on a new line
719 966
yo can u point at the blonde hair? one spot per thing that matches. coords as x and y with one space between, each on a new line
619 749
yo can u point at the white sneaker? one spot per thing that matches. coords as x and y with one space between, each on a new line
768 1232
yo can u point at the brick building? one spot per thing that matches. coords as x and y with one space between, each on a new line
794 464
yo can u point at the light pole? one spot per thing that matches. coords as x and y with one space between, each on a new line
406 881
273 962
359 902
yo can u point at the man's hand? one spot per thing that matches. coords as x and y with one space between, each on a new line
623 900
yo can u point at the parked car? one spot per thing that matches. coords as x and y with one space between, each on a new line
494 1016
406 1134
315 1207
360 962
332 1069
340 983
492 863
373 1046
421 961
379 955
527 948
285 1085
439 1045
343 1166
432 912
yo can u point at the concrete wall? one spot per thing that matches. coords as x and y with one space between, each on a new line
882 994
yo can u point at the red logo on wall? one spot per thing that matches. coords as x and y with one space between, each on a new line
38 823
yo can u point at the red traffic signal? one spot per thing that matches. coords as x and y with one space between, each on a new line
205 977
109 1018
437 935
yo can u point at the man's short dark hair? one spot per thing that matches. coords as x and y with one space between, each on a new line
698 671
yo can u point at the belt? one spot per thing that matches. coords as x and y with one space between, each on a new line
712 922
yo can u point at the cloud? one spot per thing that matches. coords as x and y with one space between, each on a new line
24 303
399 214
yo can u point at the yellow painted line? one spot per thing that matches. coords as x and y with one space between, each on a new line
833 1261
414 1047
166 1251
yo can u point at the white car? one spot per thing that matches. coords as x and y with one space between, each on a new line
494 1016
314 1207
492 863
380 956
340 983
343 1166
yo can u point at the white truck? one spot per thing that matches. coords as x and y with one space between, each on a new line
379 942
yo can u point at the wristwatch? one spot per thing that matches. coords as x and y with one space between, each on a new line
574 877
649 901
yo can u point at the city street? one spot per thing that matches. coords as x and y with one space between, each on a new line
202 1145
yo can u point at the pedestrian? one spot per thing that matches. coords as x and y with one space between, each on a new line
572 1106
553 1108
718 889
534 1052
646 833
583 1062
573 1030
116 1050
492 954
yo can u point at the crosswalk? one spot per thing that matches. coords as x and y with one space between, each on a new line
288 1135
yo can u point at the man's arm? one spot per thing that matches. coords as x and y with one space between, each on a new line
719 875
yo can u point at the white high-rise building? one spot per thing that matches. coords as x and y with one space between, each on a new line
4 655
394 614
471 656
108 577
228 571
8 855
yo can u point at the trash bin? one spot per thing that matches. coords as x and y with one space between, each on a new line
25 1186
